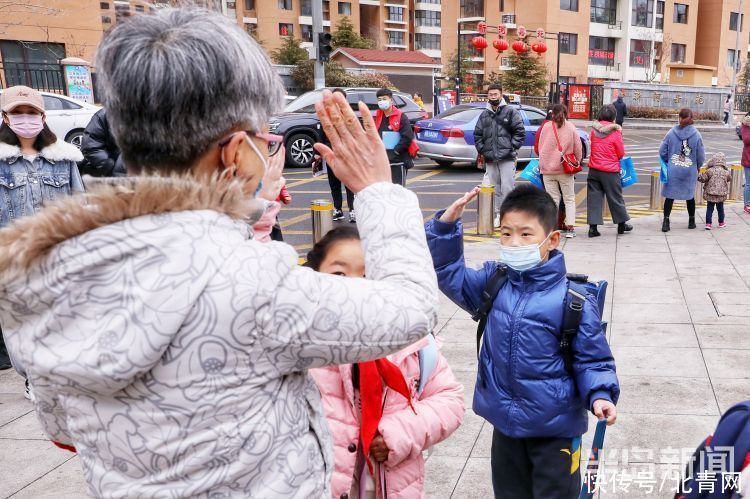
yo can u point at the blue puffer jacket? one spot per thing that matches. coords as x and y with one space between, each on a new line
522 387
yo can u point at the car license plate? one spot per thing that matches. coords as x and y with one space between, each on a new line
430 134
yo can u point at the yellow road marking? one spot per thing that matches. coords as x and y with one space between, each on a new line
294 220
422 177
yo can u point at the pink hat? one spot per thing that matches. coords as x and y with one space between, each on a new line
20 95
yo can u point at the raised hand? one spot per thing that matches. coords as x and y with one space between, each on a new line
456 210
356 155
272 180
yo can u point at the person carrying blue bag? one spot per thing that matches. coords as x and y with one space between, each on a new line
607 149
544 360
683 153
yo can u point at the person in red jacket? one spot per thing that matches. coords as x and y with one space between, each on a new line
607 149
389 118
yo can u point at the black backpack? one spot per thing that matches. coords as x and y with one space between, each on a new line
578 287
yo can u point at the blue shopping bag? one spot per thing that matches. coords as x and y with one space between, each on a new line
628 176
664 172
531 173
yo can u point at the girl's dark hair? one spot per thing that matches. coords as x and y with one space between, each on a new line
607 113
559 114
44 139
319 252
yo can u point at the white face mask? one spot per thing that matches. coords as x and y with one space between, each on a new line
522 258
263 160
384 105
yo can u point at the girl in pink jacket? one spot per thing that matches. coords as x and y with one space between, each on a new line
433 410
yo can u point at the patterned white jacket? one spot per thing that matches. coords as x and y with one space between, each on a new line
172 351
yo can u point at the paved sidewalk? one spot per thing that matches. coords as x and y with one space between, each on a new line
679 330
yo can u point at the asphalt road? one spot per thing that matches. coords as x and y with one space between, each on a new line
438 187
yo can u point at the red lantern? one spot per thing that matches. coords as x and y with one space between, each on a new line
519 46
500 45
539 48
479 42
482 27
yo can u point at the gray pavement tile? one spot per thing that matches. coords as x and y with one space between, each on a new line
11 382
476 480
26 427
483 447
461 356
653 335
732 303
659 362
645 280
699 269
730 391
655 313
727 363
441 475
723 336
468 379
627 248
63 482
12 407
26 460
649 267
623 293
462 441
624 257
727 281
644 394
459 331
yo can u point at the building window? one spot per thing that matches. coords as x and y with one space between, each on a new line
502 5
106 20
732 58
643 13
249 4
285 4
104 5
139 8
33 64
345 8
434 2
569 5
472 8
395 38
734 19
306 32
568 43
660 7
286 29
678 52
424 41
395 14
640 53
122 10
601 51
604 11
680 13
427 18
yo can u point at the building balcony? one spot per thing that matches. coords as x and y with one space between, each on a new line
427 6
434 53
431 30
606 30
370 2
509 20
604 72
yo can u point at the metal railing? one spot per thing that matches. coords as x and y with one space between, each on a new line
45 77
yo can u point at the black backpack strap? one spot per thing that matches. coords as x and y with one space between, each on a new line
495 282
572 315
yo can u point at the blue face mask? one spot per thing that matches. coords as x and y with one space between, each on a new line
522 258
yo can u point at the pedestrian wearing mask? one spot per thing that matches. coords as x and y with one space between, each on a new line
35 166
683 153
498 135
558 137
389 118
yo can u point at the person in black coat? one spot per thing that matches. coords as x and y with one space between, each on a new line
622 110
100 152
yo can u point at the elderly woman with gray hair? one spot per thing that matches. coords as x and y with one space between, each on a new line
164 345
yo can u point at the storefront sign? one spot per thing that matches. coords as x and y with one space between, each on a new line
580 101
78 81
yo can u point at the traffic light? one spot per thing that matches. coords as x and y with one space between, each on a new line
324 47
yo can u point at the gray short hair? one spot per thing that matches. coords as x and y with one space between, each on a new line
177 81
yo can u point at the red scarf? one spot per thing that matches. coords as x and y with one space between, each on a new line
372 374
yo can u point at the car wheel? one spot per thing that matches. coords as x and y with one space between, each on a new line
443 163
299 150
75 137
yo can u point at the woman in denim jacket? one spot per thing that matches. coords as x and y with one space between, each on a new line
35 167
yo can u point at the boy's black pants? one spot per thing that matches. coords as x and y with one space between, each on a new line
533 468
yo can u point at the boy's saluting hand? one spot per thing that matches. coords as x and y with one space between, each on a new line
456 210
603 408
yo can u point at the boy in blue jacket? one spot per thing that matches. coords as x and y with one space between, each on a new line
537 406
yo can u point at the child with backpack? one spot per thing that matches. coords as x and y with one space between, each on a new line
382 414
717 178
543 356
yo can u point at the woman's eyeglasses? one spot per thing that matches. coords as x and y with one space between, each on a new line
274 142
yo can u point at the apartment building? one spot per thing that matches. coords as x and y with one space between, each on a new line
113 11
721 32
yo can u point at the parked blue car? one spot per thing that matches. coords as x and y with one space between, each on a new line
449 137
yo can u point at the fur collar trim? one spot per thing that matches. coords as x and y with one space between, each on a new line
33 237
58 151
605 127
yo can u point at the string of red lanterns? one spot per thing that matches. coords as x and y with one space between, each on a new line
500 44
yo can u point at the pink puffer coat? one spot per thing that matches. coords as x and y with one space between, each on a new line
439 411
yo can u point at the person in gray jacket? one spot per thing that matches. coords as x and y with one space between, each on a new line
498 135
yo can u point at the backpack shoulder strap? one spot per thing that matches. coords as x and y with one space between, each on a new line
495 282
428 359
575 297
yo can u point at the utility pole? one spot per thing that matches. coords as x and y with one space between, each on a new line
736 61
317 19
